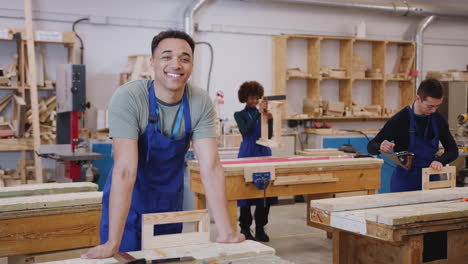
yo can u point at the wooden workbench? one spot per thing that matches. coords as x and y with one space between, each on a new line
349 175
48 217
390 228
241 253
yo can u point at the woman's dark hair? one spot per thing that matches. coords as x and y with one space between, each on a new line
251 88
172 34
430 88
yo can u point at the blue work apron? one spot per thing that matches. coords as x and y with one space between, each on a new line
159 185
249 148
424 150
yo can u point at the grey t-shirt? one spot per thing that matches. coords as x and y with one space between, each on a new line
128 112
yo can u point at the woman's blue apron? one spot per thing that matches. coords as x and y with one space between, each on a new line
159 185
424 150
249 148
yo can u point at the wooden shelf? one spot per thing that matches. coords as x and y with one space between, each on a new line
398 80
27 88
302 78
326 118
16 144
369 79
68 38
347 57
333 78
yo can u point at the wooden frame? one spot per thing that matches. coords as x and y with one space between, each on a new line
200 217
451 172
275 141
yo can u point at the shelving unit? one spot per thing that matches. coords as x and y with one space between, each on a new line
405 62
67 39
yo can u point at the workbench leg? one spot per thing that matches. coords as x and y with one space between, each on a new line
200 201
340 247
412 252
232 208
457 246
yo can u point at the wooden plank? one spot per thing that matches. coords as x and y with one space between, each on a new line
345 93
49 233
5 101
16 144
345 163
313 67
308 178
19 115
33 89
209 252
47 188
390 199
51 211
49 201
279 65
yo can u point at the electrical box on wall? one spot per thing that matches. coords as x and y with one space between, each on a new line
71 88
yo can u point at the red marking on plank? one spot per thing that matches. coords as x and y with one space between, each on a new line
272 160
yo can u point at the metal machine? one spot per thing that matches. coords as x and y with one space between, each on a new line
71 152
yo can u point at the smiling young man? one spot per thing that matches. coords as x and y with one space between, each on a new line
151 124
418 129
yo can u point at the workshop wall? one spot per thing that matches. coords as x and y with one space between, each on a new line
240 33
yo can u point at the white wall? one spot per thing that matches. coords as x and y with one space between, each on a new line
240 33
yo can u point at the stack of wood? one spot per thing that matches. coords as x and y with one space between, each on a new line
389 112
312 107
338 73
10 77
15 126
298 73
333 108
360 111
359 67
47 118
450 75
138 67
6 126
404 64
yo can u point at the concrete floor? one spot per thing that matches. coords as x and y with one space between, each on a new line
292 238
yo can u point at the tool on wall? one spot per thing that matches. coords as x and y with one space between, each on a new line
403 159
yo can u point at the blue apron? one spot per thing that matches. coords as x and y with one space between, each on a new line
159 185
249 148
424 150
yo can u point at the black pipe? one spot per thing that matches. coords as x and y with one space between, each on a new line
79 38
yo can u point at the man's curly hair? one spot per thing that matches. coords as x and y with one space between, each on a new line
251 88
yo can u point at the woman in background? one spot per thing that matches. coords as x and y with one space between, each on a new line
248 121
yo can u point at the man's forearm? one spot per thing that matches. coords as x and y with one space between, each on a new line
119 203
216 196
